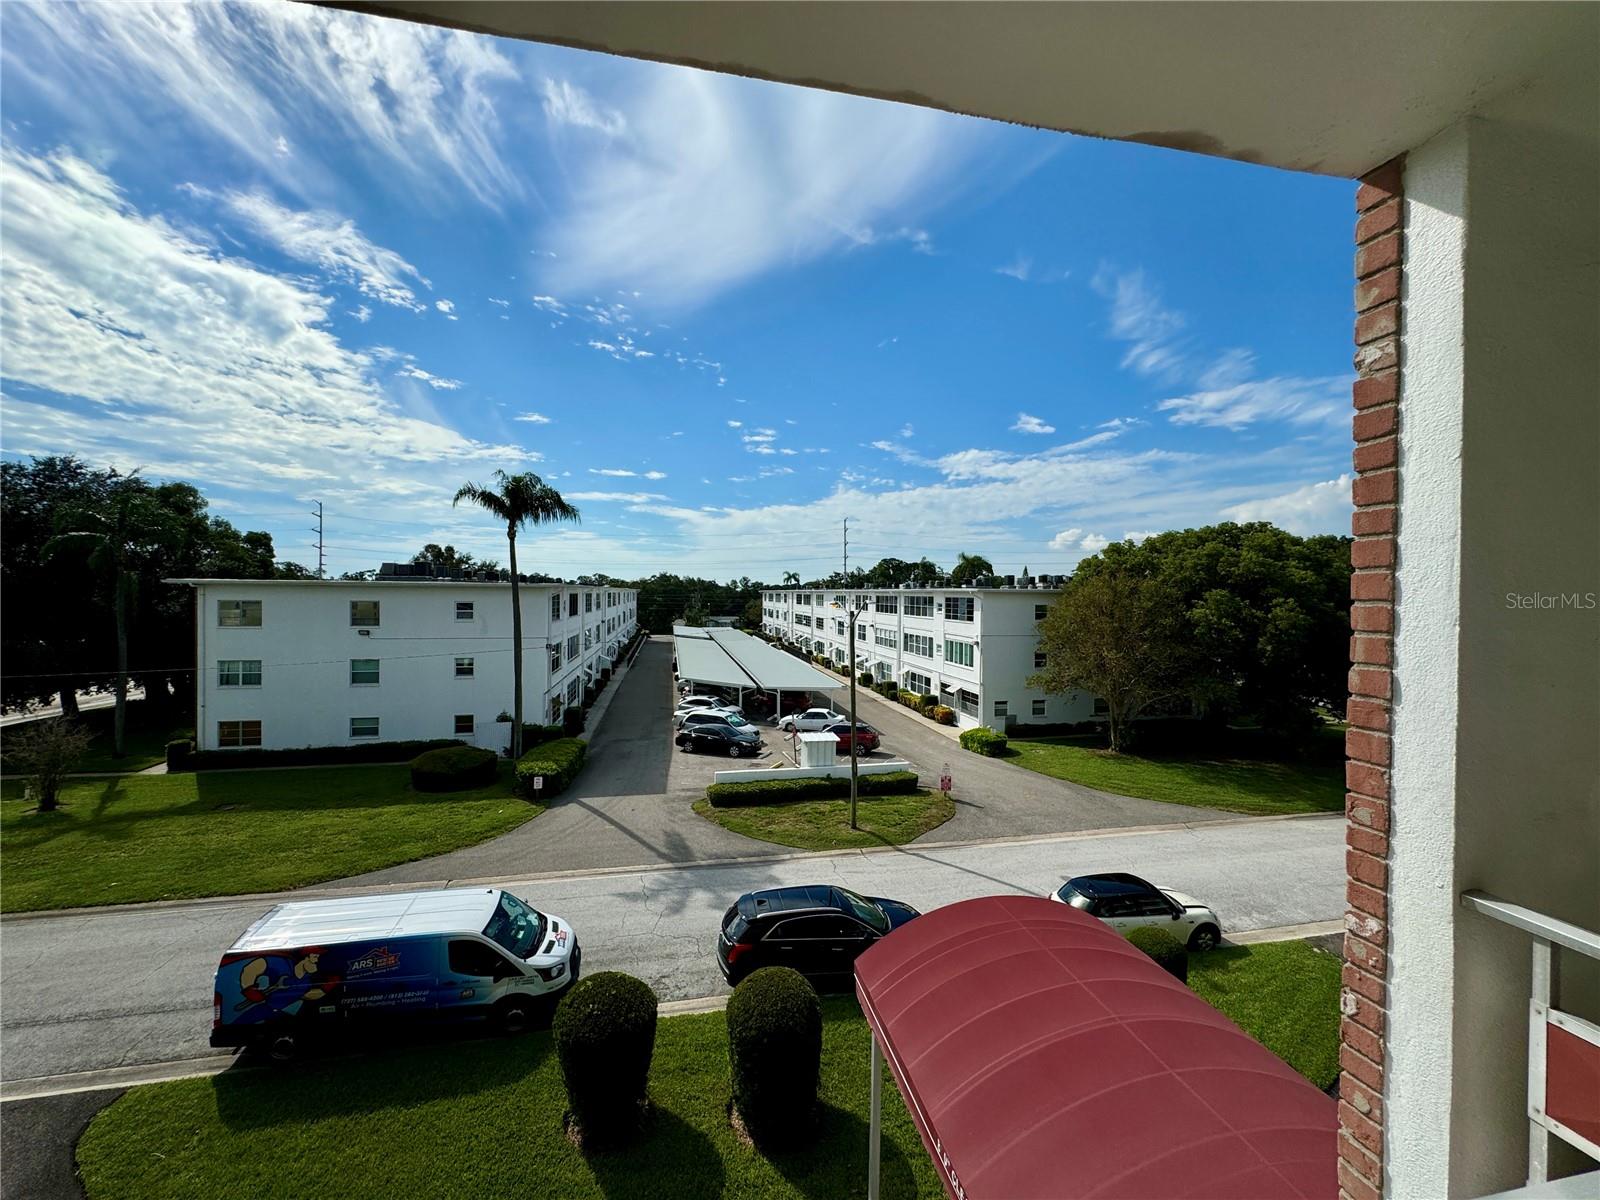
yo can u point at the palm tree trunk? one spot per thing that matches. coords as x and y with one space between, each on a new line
69 698
120 720
516 650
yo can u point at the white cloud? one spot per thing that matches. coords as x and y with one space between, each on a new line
906 430
445 306
411 371
1137 536
757 438
768 472
162 353
1139 318
408 99
1314 508
1094 542
567 104
332 243
550 305
655 474
500 302
1298 401
735 424
362 313
617 497
1230 368
720 179
533 418
1067 539
1120 424
1018 269
616 472
1026 423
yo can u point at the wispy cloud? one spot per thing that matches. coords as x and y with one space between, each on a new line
616 497
532 418
1139 318
1298 401
1018 268
1027 423
567 104
624 473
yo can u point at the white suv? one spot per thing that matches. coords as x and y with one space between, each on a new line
811 719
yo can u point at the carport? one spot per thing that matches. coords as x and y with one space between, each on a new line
1042 1055
730 658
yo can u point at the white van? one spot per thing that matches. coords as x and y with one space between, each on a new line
318 966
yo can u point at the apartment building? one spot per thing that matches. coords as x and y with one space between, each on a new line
287 663
972 647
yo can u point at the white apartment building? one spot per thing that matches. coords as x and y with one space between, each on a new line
289 663
972 647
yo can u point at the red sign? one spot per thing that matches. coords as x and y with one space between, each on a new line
944 780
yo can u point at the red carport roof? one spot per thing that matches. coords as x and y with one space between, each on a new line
1042 1055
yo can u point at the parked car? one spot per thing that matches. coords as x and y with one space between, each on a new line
727 710
705 701
712 716
1125 902
716 738
811 719
818 930
866 737
311 969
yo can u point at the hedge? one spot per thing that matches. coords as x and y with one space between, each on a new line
179 754
453 769
537 735
572 721
865 679
605 1034
808 787
775 1048
889 691
316 756
985 741
911 699
558 762
1168 952
943 714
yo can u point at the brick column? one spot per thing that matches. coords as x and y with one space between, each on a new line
1363 1000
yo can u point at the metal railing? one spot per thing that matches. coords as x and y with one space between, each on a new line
1578 1037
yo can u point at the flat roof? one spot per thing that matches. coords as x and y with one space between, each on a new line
357 918
819 589
732 658
399 582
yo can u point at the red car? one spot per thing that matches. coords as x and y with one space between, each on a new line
866 737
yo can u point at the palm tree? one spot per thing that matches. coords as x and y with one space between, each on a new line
519 500
791 578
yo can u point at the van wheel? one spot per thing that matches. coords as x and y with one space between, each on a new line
514 1016
281 1048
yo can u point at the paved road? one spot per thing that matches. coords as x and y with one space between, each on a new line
95 990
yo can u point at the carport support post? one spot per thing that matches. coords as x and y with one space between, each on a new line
875 1122
852 613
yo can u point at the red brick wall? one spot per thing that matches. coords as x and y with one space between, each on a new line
1364 997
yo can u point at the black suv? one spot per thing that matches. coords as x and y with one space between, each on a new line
716 738
818 930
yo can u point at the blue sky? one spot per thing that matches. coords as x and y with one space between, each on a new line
292 255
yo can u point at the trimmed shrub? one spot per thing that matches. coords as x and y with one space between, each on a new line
179 752
911 699
943 714
808 787
538 735
316 756
984 741
605 1034
572 721
453 769
865 679
557 762
890 691
775 1045
1167 951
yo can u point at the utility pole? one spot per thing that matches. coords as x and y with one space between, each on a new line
317 513
851 614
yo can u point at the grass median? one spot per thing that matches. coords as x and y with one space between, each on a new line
221 833
825 824
1283 994
1227 779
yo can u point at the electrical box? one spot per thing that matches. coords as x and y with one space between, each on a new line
818 749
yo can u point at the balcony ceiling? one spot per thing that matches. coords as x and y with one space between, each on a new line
1331 88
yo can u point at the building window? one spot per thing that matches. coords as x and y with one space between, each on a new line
363 727
588 639
233 735
886 603
555 607
573 688
464 724
838 628
364 613
916 681
555 709
588 602
1002 708
555 657
959 608
1040 611
572 604
1038 708
363 671
1038 660
572 647
969 702
884 637
919 644
465 668
239 672
960 653
464 610
919 606
239 614
1101 708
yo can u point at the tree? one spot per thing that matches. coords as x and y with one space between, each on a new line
520 500
791 578
1120 636
890 573
753 614
45 752
970 568
448 558
925 573
695 614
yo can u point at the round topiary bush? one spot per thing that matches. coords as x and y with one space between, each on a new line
775 1043
453 769
1166 950
605 1033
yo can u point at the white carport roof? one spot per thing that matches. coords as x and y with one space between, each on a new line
731 658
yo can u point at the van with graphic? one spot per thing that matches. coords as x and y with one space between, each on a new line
312 968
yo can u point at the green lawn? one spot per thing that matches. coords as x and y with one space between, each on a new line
1283 994
164 837
1237 784
825 824
483 1118
144 742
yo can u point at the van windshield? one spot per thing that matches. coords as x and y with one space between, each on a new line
515 926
